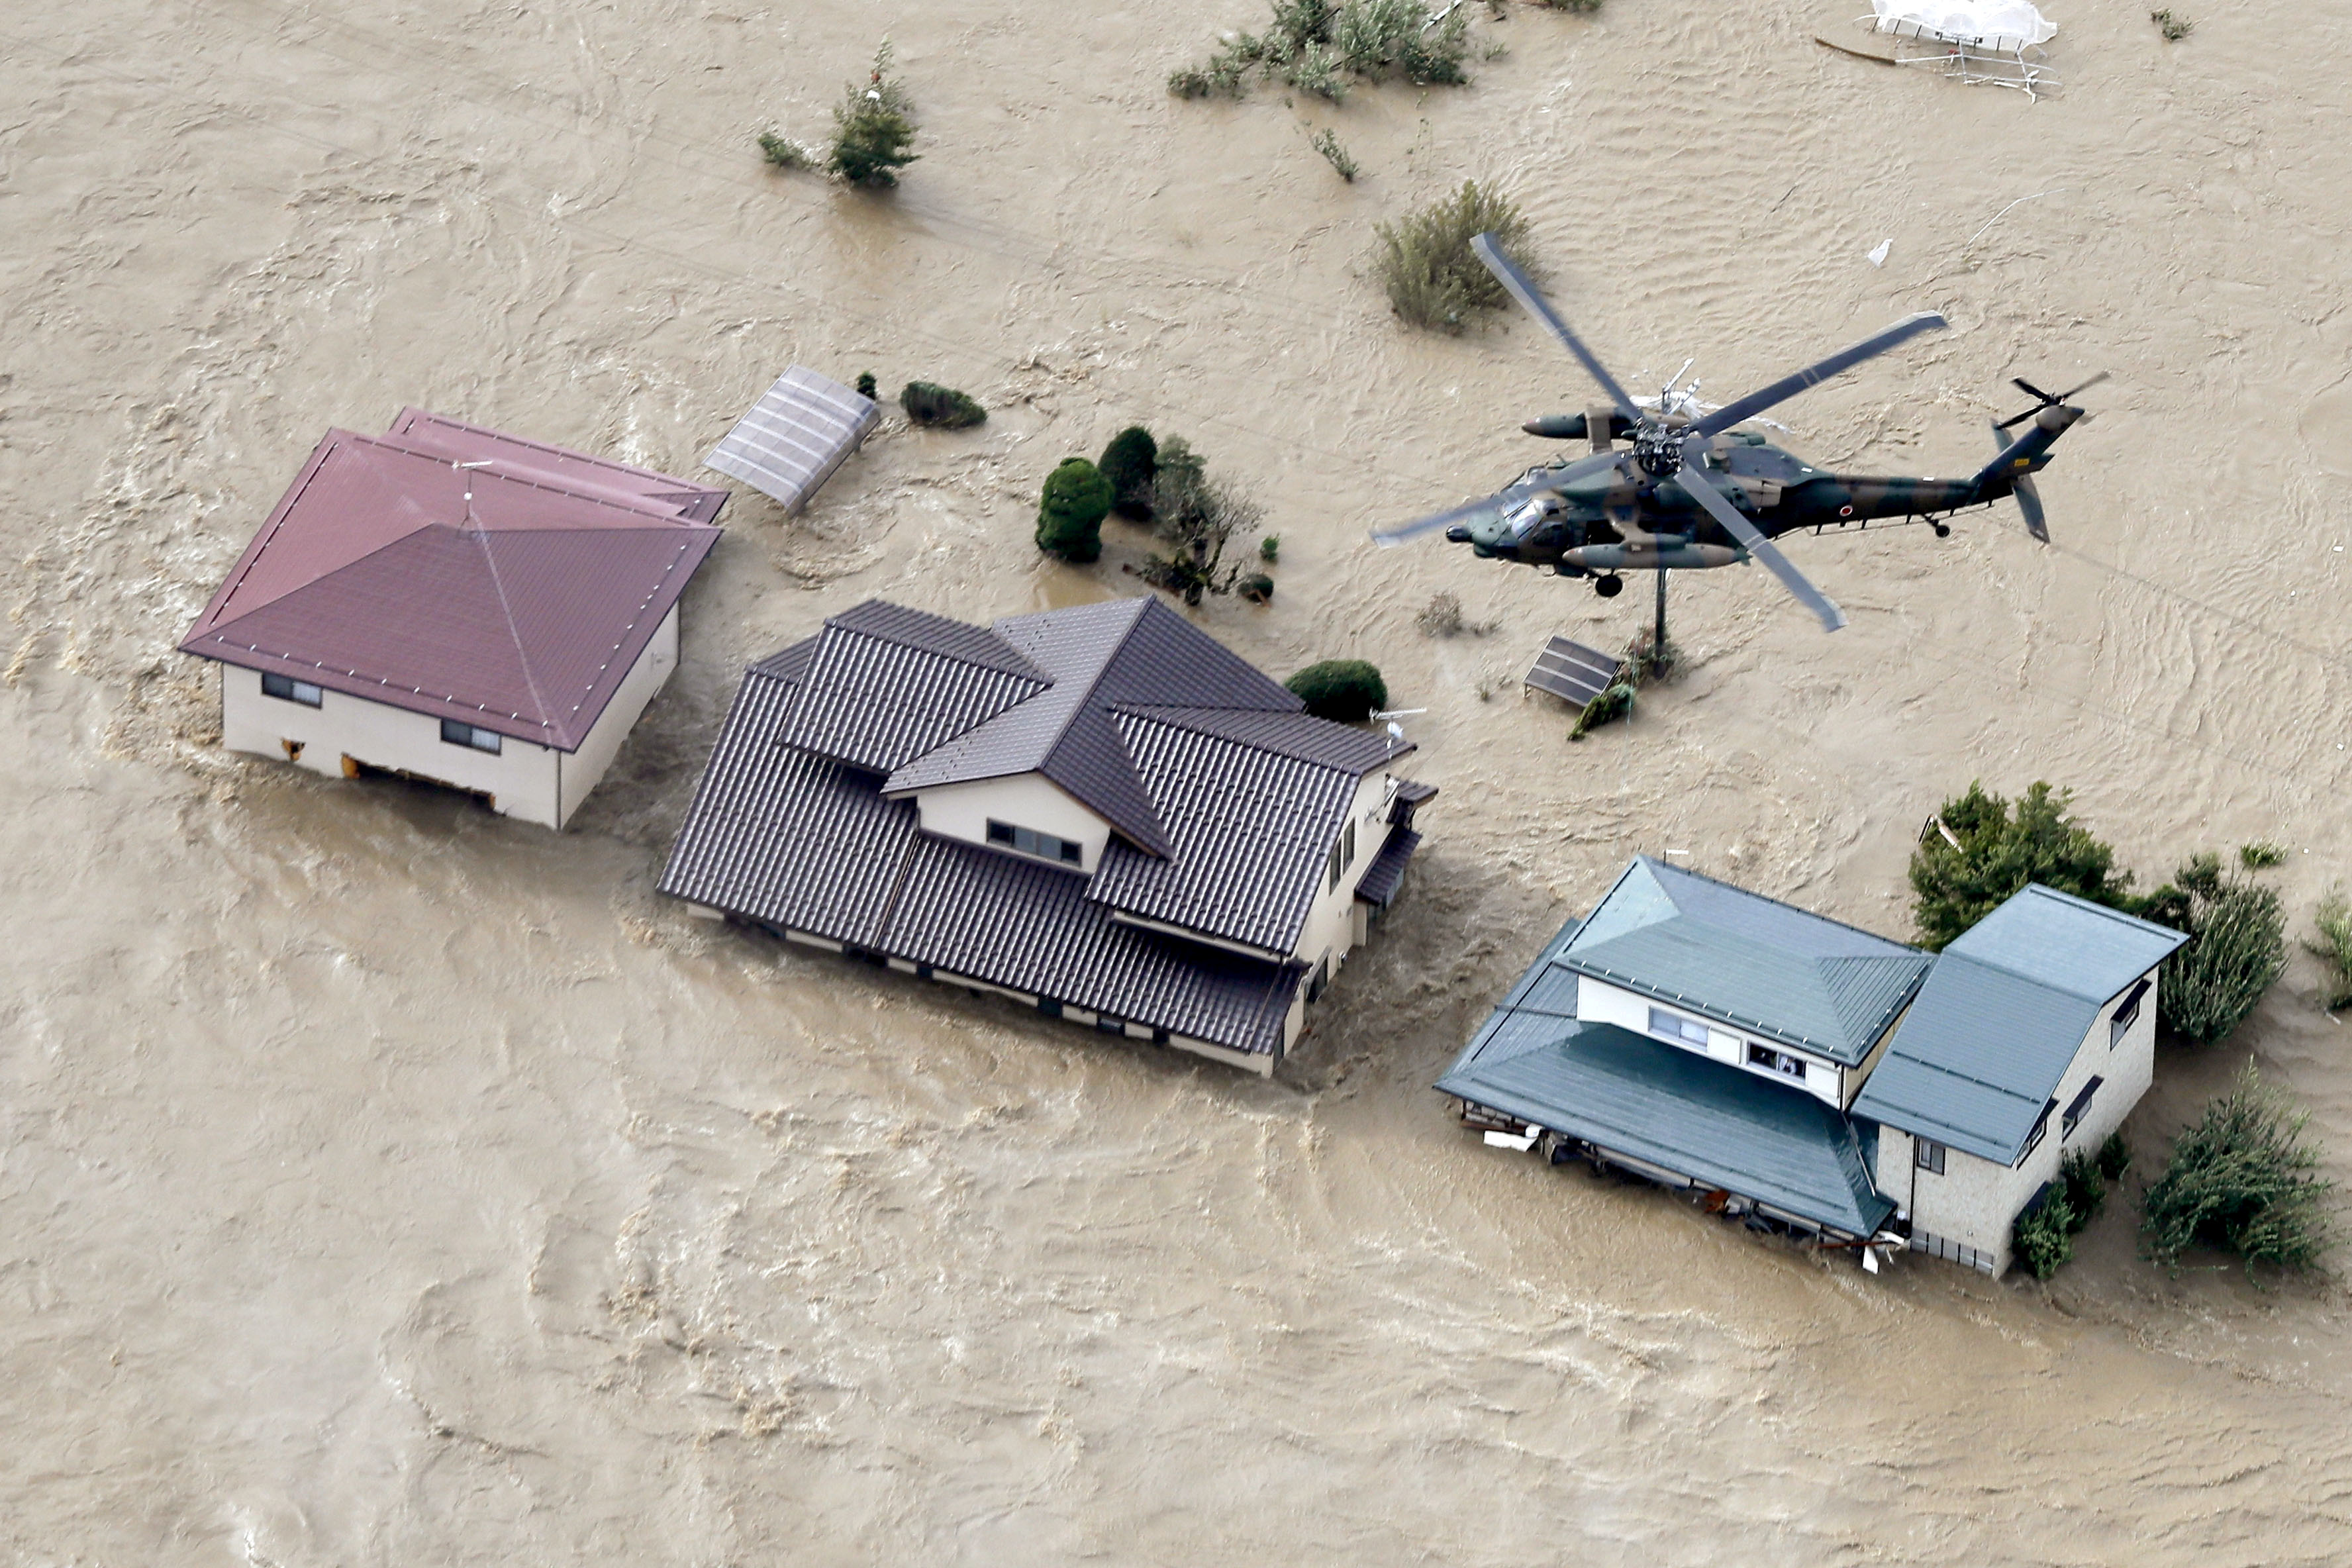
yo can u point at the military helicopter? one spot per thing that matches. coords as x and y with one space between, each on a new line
1691 492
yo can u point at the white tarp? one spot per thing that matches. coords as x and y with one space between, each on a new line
802 429
2005 25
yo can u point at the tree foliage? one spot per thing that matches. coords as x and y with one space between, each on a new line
2334 949
1431 277
1344 690
1076 500
2041 1240
1199 517
1319 46
2242 1179
873 128
1128 463
2236 949
929 404
1994 851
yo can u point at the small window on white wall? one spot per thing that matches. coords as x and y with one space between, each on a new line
1780 1062
2126 1015
457 732
285 688
1929 1155
1029 841
1674 1027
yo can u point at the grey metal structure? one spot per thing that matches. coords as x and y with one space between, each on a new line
1981 1050
1663 1112
1571 671
802 429
1224 797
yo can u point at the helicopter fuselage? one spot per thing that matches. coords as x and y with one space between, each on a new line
1627 519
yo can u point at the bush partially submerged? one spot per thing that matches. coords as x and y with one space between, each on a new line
1199 517
785 154
1443 618
1128 463
1993 852
2242 1179
2236 948
873 129
2333 950
942 406
1257 588
1426 266
1318 46
1344 690
2042 1241
1076 500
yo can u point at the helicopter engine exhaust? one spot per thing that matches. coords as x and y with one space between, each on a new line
1652 557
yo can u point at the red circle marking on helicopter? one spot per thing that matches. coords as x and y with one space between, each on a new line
1845 512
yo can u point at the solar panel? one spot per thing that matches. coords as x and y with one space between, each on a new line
800 431
1571 671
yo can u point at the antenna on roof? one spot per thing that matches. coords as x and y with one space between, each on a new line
481 463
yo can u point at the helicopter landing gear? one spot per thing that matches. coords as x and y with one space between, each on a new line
1943 529
1609 586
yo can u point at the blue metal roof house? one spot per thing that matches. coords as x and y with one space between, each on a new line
1817 1077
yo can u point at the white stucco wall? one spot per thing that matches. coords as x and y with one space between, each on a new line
1602 1003
1025 800
582 771
534 783
1975 1201
520 780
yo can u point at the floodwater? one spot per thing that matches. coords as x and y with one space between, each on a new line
383 1182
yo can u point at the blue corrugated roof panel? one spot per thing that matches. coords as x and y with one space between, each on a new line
1745 960
1676 1110
2067 943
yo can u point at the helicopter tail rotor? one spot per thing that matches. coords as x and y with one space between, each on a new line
2043 400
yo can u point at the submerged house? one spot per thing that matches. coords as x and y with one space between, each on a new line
452 603
1815 1076
1099 812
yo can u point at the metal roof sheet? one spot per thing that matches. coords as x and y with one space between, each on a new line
1674 1109
801 842
877 691
1379 884
1981 1050
2067 943
465 442
803 428
1746 960
515 597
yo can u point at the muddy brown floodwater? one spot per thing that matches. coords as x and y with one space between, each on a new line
383 1182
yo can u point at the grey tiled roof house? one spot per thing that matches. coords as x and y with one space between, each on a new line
1816 1075
1099 811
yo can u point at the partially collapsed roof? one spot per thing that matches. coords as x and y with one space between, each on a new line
1224 794
1975 1061
1764 966
802 429
463 573
1669 1108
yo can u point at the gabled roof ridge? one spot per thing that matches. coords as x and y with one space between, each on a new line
1085 696
518 472
1015 663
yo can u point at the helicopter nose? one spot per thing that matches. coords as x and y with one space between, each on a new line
1458 535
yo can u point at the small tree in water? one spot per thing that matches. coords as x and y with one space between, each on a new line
874 128
2242 1179
1432 278
1199 516
2236 948
1991 853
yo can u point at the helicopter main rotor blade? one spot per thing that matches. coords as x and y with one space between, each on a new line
1813 374
1740 528
2068 396
1507 272
1502 499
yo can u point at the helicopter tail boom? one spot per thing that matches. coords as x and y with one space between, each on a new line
2028 452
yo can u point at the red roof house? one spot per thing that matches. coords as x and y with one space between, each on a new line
458 605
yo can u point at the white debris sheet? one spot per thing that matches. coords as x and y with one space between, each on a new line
801 430
2007 25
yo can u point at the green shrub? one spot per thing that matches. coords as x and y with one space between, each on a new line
2242 1179
2236 948
1328 143
2174 28
1269 549
2333 950
1316 46
1426 265
1128 463
2114 1156
1076 500
866 388
943 406
2085 1186
1613 702
2042 1241
873 129
1344 690
1993 853
1257 588
2261 855
1199 517
785 154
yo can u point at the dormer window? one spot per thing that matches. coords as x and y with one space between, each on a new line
1029 841
2126 1015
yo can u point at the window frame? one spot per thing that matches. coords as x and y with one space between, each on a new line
1009 836
2041 1131
294 689
1929 1155
1779 1062
471 736
2126 1012
2078 1107
1677 1027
